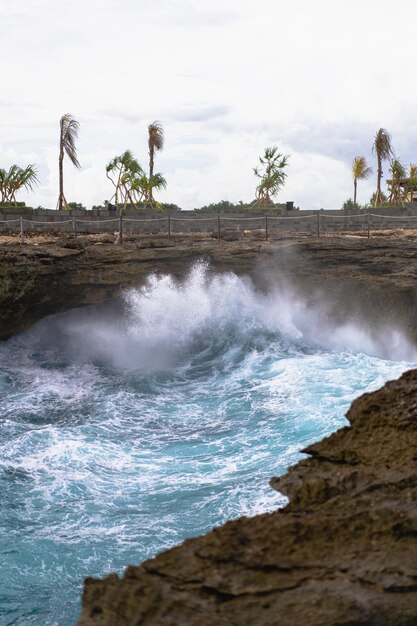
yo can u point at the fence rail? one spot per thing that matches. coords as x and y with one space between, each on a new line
219 225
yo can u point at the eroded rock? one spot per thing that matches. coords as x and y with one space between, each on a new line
342 553
36 281
373 282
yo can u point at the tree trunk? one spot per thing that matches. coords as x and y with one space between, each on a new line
61 178
125 202
131 199
116 195
355 186
151 166
378 182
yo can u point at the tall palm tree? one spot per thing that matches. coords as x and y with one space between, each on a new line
382 147
155 143
69 128
360 171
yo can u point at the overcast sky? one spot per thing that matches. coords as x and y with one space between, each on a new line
225 77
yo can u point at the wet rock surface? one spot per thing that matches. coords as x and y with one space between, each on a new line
342 553
36 281
374 279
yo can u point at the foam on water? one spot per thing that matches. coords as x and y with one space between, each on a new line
126 429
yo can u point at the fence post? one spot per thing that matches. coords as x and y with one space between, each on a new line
169 227
74 227
218 228
369 225
22 233
120 237
266 228
318 223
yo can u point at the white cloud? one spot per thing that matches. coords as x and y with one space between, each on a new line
225 77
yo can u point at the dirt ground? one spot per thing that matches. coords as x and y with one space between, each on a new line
36 239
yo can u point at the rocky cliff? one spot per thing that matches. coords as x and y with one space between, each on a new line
342 553
374 279
36 281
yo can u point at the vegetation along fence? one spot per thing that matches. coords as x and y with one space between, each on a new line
218 226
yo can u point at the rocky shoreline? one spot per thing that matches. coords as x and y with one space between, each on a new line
373 280
36 281
342 553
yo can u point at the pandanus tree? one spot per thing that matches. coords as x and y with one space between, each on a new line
360 171
271 174
131 183
398 174
383 150
122 171
413 171
14 179
155 144
412 182
69 128
144 186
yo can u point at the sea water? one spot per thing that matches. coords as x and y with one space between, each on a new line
126 429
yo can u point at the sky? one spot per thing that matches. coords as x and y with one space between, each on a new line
226 78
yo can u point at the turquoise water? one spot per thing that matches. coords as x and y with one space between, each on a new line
125 429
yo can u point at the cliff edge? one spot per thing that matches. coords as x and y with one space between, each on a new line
342 553
371 280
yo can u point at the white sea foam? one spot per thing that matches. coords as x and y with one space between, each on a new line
125 430
160 323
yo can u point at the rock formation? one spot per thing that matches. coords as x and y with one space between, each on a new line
36 281
372 279
342 553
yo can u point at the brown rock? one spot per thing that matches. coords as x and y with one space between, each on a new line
36 281
342 553
373 281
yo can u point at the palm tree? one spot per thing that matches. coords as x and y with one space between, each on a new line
360 171
413 170
69 128
412 183
123 171
382 147
16 178
398 173
143 187
272 175
155 143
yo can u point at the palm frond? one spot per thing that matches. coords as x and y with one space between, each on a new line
156 136
29 177
16 178
158 182
382 145
111 165
272 176
360 169
69 133
397 169
413 170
